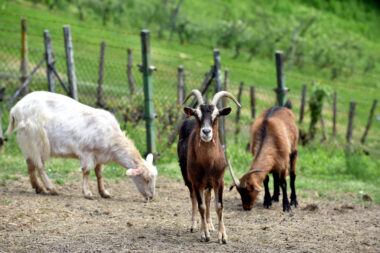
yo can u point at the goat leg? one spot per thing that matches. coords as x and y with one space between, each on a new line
267 197
293 196
285 200
205 234
222 238
276 187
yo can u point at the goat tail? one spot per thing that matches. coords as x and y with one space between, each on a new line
11 126
288 104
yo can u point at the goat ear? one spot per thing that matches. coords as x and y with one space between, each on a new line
225 111
232 186
189 111
149 158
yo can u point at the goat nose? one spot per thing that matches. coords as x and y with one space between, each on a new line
206 131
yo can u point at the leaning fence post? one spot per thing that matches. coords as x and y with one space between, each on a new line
350 122
147 70
70 63
49 57
369 121
181 86
131 82
303 100
217 88
100 101
281 89
253 101
334 117
237 119
24 53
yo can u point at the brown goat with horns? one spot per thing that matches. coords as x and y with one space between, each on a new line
202 160
274 147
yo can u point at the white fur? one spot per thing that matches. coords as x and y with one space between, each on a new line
50 124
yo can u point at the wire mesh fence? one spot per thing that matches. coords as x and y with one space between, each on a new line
128 106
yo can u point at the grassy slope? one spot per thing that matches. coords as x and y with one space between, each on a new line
87 37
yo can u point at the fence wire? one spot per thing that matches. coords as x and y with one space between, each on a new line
128 107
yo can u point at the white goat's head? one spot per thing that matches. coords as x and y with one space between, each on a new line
145 177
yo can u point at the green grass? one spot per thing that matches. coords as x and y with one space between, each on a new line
325 168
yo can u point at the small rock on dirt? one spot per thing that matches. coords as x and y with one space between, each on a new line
366 197
311 208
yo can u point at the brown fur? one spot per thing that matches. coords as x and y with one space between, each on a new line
278 151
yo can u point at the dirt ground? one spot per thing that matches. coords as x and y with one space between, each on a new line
125 223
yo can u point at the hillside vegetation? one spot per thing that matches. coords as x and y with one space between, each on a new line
334 44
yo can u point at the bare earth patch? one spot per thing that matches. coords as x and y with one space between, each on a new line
70 223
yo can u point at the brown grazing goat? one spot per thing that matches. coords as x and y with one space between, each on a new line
274 147
203 162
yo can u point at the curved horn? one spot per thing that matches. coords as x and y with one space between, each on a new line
197 94
221 94
236 180
245 177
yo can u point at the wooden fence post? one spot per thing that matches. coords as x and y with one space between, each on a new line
369 121
147 70
281 89
237 119
350 122
303 101
131 81
253 101
334 116
24 54
49 57
100 101
323 128
181 92
72 80
217 88
226 84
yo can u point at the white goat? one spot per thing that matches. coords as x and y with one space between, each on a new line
53 125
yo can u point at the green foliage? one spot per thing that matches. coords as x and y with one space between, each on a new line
318 93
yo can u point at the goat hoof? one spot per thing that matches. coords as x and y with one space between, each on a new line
275 198
105 194
88 195
192 230
40 190
294 202
205 238
286 208
53 191
223 238
267 203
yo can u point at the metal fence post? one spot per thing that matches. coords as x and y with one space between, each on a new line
49 57
147 70
24 53
218 87
70 62
281 89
